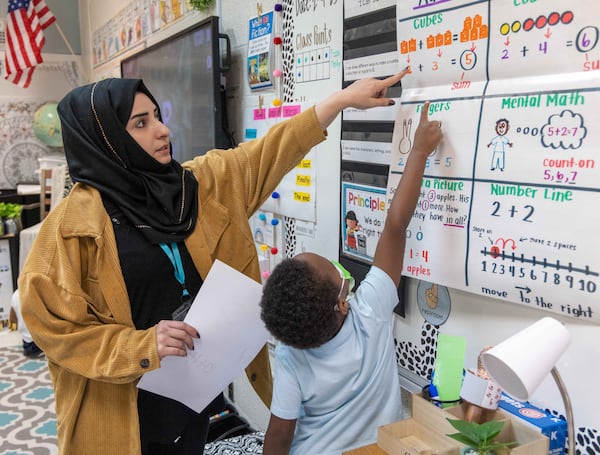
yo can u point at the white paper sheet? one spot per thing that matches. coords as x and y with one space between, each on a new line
226 313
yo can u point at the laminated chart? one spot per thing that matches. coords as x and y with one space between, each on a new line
315 49
508 206
295 195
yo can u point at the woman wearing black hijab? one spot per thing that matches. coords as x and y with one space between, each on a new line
104 283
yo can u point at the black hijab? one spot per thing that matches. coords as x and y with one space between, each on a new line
161 200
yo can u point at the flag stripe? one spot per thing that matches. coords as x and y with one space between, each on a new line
43 12
26 21
20 33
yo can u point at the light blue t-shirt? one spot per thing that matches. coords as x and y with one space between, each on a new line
343 390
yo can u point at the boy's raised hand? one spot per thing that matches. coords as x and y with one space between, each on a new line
428 134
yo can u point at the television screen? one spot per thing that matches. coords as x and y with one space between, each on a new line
183 73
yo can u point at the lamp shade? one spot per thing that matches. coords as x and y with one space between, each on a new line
520 363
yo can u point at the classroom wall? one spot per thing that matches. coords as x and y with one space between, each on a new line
20 149
483 321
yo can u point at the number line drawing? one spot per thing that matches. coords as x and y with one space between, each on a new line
534 261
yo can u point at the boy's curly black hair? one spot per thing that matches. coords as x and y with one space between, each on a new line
297 305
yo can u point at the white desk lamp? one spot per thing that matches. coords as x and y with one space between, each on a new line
520 363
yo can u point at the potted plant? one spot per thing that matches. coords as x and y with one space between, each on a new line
201 5
10 213
479 437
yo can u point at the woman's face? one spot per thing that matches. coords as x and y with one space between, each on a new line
147 130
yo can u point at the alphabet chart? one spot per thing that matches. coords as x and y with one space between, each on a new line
509 205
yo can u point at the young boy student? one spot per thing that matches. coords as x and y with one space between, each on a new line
336 377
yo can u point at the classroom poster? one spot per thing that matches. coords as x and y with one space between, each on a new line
134 23
362 219
317 49
507 203
260 51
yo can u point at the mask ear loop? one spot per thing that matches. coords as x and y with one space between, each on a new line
341 289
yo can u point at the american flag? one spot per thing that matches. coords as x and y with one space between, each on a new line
24 39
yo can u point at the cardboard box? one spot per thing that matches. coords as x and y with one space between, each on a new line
552 427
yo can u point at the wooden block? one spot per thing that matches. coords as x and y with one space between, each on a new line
410 437
416 445
371 449
529 440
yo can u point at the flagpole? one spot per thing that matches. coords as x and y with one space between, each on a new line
64 38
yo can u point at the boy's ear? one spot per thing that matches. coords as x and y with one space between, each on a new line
343 307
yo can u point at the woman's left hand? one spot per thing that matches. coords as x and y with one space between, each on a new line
175 338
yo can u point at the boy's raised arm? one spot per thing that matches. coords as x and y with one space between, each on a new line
389 254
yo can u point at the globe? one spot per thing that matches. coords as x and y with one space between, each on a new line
46 125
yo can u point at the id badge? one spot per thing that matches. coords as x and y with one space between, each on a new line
181 311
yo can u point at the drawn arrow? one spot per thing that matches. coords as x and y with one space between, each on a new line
526 288
439 53
548 33
507 42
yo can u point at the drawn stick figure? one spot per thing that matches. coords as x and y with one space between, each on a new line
500 142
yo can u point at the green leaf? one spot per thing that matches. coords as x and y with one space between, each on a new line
464 440
478 437
469 429
491 429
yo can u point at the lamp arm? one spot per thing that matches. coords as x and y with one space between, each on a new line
568 410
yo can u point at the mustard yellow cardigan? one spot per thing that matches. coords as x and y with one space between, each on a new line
75 303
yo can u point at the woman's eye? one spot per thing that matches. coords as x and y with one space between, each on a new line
140 124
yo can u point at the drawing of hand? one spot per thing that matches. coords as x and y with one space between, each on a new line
405 142
431 296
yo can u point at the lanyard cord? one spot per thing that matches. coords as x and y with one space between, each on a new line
172 252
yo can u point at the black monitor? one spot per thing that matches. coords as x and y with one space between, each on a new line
184 73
